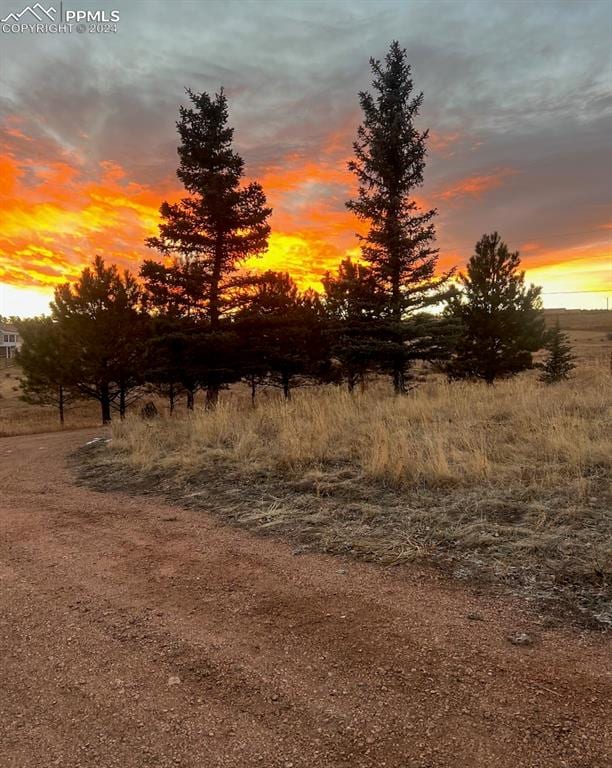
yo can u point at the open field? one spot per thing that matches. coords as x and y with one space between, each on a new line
510 483
139 634
20 418
596 320
589 331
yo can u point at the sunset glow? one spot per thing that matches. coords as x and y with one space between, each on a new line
58 214
85 166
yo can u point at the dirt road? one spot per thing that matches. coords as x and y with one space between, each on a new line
137 634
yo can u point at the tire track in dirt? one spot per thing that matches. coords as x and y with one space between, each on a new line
135 634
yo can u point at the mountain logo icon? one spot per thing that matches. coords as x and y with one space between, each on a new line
35 10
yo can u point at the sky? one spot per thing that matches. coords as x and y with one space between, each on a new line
517 99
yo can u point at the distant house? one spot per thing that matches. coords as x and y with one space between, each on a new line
10 342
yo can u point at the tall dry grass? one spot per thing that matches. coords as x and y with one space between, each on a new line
20 418
510 483
517 433
29 420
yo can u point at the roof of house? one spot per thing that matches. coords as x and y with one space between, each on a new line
8 328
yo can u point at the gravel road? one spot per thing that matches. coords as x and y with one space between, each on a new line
133 633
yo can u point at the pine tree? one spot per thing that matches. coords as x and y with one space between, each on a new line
389 164
168 367
48 365
560 360
352 306
221 222
282 334
175 290
351 293
501 319
100 322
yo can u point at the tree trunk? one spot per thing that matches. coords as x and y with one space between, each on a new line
171 398
214 309
253 390
399 385
212 396
190 399
105 404
286 386
350 381
60 394
399 377
122 406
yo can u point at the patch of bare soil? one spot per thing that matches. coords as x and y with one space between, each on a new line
558 561
135 632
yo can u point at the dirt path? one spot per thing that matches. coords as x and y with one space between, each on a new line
136 634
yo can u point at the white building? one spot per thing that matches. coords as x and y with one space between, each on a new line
10 341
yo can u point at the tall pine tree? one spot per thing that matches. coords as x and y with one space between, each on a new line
501 319
222 221
389 164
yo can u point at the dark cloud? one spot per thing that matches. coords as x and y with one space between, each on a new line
523 87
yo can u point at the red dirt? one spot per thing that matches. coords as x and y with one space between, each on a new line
133 633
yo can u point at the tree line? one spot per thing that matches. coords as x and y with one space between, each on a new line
193 320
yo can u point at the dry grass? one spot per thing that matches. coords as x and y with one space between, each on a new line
509 483
29 419
19 418
517 434
589 331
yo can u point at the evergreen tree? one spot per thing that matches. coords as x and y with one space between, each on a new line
560 360
389 164
282 334
48 365
100 322
175 290
501 319
352 293
221 222
352 306
167 359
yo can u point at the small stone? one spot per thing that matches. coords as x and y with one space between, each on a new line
174 680
520 638
475 617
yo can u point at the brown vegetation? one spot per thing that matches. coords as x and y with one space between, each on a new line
20 418
510 481
589 331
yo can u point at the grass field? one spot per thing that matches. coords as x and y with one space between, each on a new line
20 418
590 333
509 483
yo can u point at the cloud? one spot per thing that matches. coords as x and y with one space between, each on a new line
519 108
476 185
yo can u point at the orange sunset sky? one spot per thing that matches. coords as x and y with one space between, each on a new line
520 121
